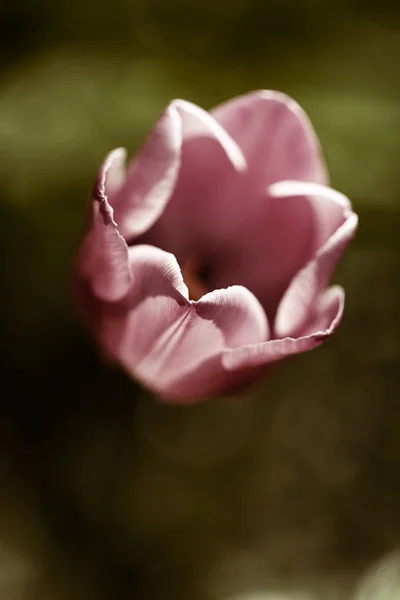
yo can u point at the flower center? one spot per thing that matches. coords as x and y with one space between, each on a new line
195 275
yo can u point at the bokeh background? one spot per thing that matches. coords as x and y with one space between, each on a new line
290 493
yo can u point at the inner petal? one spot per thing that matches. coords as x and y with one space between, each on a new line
276 241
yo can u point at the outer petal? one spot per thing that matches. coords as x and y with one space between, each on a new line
327 314
296 304
151 177
222 319
173 345
103 257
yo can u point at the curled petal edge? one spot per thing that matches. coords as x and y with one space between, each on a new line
299 297
201 120
330 311
103 257
284 188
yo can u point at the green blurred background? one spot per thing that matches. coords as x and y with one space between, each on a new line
293 492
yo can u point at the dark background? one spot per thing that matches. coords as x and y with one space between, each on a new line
292 492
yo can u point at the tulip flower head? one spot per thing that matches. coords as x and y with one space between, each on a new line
209 256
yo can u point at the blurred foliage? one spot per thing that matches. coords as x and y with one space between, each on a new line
291 493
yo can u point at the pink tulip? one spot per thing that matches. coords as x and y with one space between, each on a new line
208 258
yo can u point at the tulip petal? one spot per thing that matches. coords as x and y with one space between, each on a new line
298 299
171 344
295 220
210 160
275 136
156 276
221 319
278 142
327 315
103 258
329 206
152 175
271 243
